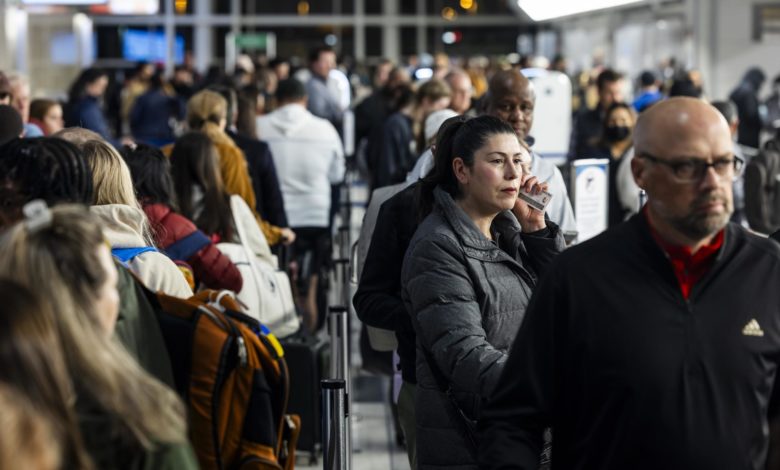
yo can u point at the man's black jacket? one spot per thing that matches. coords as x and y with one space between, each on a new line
378 298
629 374
262 170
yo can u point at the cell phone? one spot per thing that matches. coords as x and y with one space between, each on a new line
536 201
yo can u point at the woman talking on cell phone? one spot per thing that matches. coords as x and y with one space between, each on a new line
468 276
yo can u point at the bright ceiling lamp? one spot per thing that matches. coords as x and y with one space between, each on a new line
540 10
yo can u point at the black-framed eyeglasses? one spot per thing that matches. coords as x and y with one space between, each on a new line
691 170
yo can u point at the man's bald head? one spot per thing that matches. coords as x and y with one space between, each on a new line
675 121
508 82
511 98
685 162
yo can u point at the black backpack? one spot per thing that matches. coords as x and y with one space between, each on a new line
762 189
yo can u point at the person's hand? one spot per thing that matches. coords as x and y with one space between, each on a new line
531 220
127 141
288 236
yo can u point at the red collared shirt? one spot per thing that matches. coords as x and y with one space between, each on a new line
689 268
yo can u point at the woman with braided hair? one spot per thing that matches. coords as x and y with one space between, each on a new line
55 171
44 168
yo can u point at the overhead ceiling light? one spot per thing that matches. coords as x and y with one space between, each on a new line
540 10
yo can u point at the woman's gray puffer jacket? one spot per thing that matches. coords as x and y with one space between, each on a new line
467 296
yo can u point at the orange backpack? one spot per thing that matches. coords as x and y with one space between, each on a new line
234 380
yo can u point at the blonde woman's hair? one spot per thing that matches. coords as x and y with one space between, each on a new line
27 438
62 259
205 110
31 360
110 175
112 180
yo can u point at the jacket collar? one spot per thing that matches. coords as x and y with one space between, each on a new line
657 258
505 225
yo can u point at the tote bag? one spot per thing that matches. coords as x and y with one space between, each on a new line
266 292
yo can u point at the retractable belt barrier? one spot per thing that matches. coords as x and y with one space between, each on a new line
334 425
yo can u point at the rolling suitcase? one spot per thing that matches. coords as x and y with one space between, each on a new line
308 363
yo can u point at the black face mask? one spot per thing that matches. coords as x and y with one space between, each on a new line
616 133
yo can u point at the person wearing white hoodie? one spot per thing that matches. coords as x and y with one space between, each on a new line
309 159
124 222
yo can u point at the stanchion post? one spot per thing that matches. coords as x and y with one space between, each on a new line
334 425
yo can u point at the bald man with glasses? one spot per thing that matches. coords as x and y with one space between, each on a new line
656 344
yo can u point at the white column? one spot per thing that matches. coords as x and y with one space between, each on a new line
391 37
83 30
701 43
170 39
422 30
14 47
203 35
360 30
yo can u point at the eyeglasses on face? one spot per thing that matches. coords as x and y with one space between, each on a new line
692 170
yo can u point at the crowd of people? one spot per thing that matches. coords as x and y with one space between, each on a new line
653 345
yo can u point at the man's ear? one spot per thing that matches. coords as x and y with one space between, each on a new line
639 171
460 170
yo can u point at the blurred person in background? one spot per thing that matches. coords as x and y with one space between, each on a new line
280 66
729 111
11 124
47 115
155 113
321 100
198 187
461 89
260 161
615 143
649 92
772 104
587 125
403 138
685 84
207 111
309 158
183 83
5 89
135 85
20 99
84 102
745 97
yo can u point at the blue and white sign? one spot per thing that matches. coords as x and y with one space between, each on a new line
590 196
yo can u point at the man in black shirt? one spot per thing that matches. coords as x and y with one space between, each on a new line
656 344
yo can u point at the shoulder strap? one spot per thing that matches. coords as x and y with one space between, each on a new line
125 255
248 230
186 247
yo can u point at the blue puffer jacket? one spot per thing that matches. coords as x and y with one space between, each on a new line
88 114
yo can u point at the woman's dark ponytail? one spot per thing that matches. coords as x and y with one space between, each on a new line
441 174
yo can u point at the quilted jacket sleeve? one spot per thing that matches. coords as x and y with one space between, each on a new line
441 298
215 270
